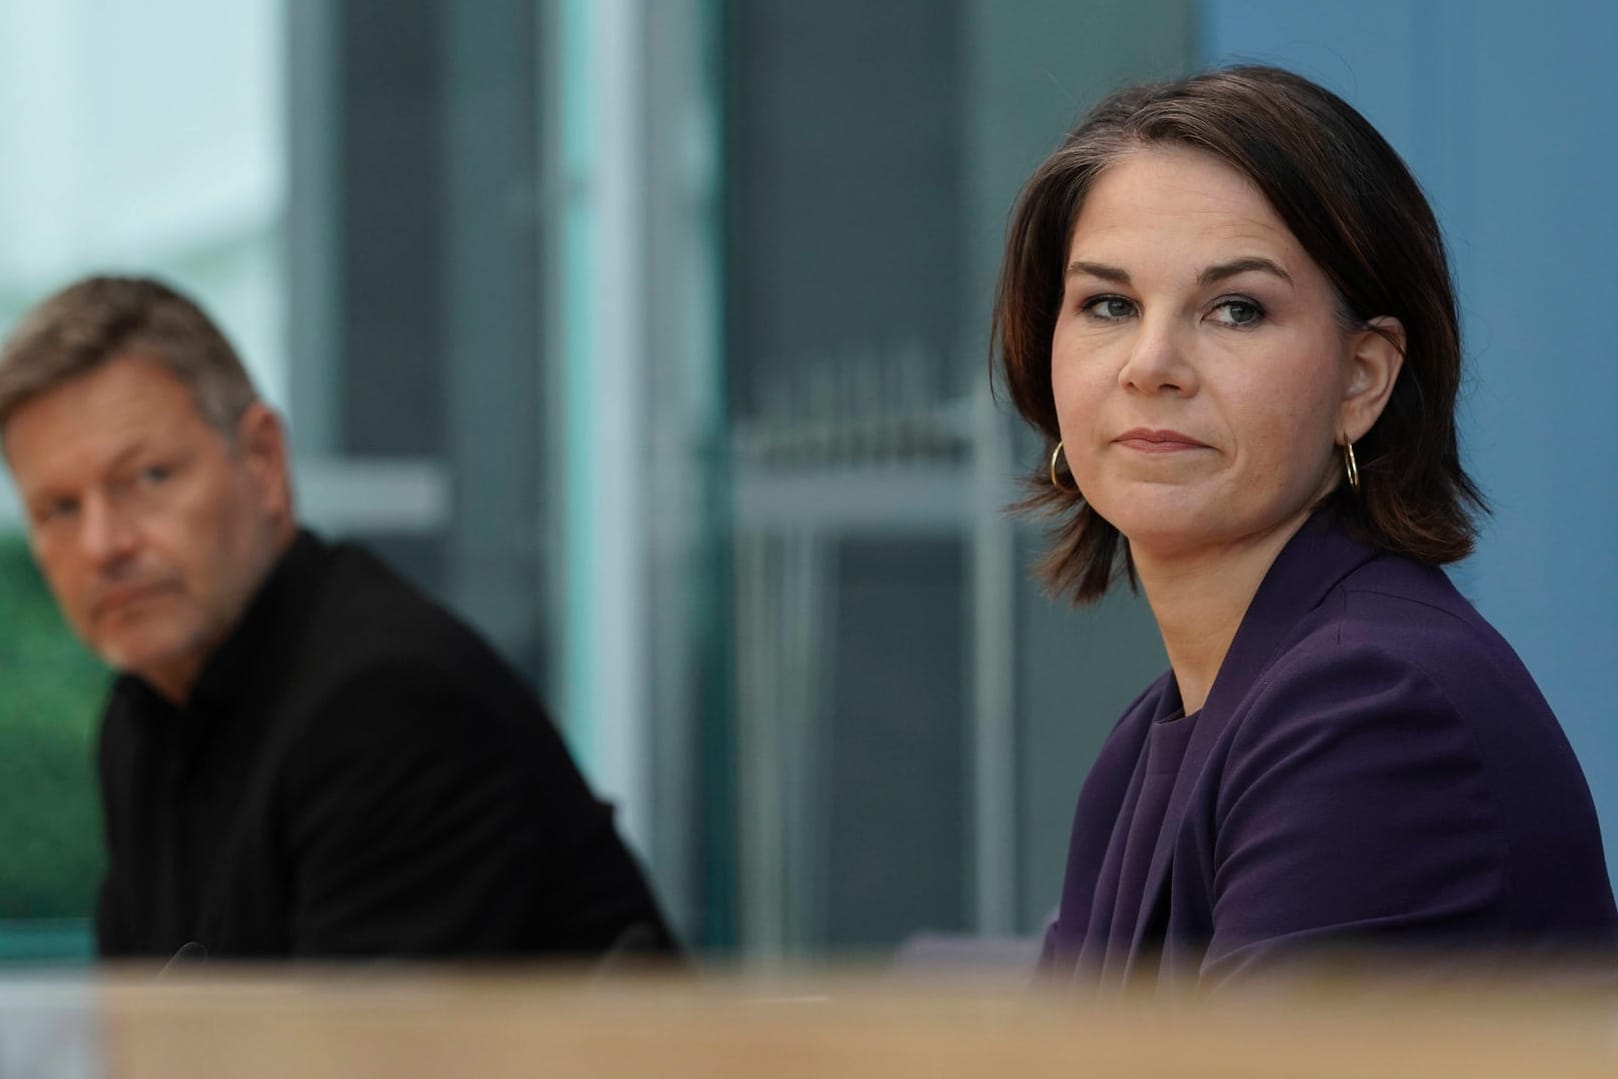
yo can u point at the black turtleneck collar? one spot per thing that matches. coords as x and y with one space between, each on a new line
232 676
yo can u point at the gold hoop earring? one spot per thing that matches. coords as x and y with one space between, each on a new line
1350 465
1055 482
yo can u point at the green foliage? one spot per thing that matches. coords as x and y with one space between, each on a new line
51 691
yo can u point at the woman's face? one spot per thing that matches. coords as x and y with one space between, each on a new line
1199 365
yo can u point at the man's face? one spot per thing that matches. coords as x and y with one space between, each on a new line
152 528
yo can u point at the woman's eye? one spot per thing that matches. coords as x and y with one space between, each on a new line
1238 312
1109 308
153 475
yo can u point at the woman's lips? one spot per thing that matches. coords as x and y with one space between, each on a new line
1158 441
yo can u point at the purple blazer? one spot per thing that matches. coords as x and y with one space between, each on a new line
1373 765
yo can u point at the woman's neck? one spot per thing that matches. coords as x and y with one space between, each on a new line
1199 597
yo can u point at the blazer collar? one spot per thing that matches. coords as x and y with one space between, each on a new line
262 636
1313 562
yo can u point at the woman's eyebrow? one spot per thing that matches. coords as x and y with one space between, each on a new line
1096 269
1218 272
1242 265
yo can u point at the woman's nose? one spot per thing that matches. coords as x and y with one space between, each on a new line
1157 363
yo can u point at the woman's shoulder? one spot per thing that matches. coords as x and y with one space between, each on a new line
1395 613
1397 639
1332 602
1395 697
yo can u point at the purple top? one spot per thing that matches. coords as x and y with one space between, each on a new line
1135 832
1373 764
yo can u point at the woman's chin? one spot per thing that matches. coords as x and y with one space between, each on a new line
1164 544
1165 519
1175 528
1192 530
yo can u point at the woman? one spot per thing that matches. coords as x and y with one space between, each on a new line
1226 304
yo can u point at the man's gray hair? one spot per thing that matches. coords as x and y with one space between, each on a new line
100 319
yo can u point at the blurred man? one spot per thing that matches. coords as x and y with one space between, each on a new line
301 756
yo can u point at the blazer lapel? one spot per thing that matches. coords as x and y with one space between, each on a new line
1311 564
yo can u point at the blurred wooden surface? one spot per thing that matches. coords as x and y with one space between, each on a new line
310 1025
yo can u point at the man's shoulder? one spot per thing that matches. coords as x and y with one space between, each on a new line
356 586
366 617
370 635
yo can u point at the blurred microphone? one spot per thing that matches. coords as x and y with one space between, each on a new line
191 953
631 949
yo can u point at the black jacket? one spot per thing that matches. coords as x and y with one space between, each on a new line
355 774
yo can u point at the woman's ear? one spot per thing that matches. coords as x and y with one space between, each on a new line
1376 354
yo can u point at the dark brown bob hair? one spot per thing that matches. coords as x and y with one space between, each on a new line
1357 211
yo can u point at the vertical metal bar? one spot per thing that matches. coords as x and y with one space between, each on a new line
804 686
604 361
759 649
684 378
314 237
994 817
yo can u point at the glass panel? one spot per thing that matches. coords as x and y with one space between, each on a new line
651 338
914 717
112 157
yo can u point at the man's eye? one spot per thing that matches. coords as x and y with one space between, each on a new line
153 475
1110 308
58 510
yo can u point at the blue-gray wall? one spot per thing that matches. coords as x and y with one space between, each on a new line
1509 117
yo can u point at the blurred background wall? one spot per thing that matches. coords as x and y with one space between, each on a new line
651 335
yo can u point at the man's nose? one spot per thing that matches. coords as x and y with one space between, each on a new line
107 534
